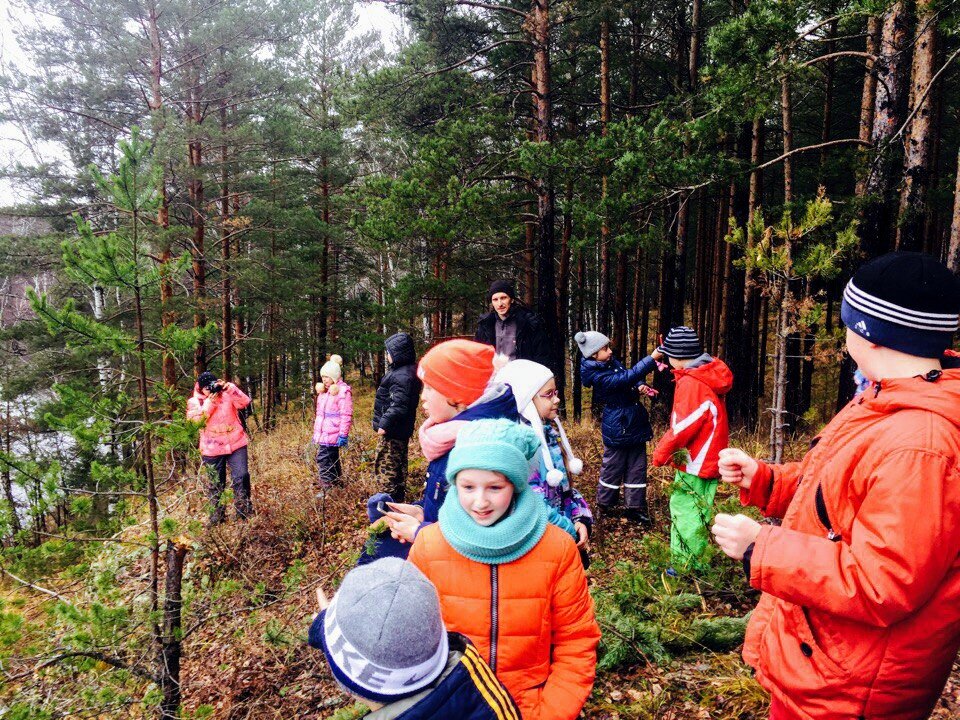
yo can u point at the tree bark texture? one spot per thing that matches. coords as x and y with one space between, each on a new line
172 648
918 150
876 228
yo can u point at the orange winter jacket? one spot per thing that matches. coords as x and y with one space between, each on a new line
860 613
532 619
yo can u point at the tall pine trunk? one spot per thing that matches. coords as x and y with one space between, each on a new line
917 162
226 318
167 316
546 200
603 301
877 225
171 650
953 249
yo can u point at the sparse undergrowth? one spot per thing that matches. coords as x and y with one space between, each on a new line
670 648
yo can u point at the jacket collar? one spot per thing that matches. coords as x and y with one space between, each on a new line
396 709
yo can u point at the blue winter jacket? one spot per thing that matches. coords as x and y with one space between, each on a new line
466 689
497 402
625 420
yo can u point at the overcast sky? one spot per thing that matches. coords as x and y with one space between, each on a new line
13 147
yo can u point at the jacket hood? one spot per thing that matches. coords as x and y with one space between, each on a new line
401 349
940 395
714 373
496 402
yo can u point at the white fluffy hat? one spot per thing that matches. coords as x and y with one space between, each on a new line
525 378
332 368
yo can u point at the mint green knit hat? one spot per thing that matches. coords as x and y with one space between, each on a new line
499 445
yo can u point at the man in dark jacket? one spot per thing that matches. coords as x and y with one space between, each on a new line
514 330
395 414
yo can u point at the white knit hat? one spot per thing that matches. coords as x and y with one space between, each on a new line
525 378
331 368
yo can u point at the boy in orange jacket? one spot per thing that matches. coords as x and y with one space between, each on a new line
698 430
860 612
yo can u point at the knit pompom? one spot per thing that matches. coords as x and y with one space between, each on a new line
575 466
320 388
579 337
554 477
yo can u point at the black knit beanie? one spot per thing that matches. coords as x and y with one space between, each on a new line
205 380
905 301
501 286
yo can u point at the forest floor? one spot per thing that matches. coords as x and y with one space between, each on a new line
253 596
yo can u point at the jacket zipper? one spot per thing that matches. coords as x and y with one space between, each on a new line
824 517
494 620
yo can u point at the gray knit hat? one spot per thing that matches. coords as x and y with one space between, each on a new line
590 342
383 635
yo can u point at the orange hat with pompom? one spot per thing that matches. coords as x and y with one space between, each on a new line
458 369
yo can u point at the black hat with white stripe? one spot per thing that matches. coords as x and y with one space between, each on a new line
681 343
904 301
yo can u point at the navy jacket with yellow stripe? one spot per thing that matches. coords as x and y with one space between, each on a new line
467 689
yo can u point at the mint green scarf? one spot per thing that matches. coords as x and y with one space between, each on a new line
512 537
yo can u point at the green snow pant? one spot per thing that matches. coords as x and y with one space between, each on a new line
691 510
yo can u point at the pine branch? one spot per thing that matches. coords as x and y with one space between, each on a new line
93 655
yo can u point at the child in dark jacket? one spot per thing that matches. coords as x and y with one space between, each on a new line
625 425
395 414
384 640
457 376
697 433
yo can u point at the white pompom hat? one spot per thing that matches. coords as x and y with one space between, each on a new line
525 378
332 368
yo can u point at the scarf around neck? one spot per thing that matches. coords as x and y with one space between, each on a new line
509 539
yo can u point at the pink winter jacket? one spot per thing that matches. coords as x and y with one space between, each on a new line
223 433
334 414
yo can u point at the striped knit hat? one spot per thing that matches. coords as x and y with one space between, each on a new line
904 301
681 343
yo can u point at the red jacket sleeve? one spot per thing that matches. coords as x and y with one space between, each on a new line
772 488
891 565
574 638
685 420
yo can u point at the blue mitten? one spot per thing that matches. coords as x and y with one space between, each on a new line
342 441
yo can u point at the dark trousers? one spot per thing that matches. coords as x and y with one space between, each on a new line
628 467
390 467
217 482
329 468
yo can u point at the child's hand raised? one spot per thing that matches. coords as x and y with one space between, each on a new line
737 468
403 527
407 509
735 533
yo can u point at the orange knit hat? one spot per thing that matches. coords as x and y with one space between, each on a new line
458 369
